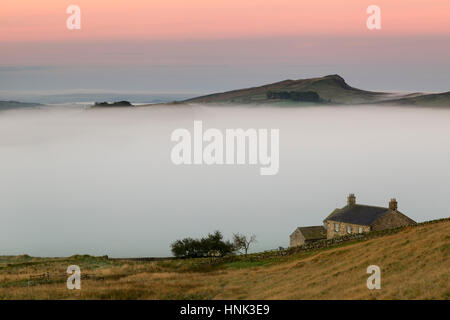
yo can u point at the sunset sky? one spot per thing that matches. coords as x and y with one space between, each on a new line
208 45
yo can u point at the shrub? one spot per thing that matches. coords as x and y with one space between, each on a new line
210 246
309 96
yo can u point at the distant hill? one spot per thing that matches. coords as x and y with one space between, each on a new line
89 97
330 89
430 100
5 105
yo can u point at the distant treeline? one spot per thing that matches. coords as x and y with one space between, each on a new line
212 245
114 104
309 96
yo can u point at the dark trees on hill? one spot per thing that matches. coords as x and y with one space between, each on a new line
210 246
114 104
308 96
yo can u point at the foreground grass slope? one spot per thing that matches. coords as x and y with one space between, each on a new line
415 264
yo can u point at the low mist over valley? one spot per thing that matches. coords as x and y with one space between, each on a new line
107 174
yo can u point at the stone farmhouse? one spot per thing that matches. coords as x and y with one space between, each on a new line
353 218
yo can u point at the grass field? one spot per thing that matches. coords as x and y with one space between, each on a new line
415 264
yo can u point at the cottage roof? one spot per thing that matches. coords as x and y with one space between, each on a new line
335 211
357 214
313 233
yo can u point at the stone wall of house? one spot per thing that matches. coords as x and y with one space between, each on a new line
392 219
297 239
331 233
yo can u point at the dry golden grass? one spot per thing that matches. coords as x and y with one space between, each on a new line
415 264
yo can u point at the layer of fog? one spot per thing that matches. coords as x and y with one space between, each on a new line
102 182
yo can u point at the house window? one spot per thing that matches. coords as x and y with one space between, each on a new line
360 230
349 229
336 227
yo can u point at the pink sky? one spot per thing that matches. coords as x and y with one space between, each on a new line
44 20
210 45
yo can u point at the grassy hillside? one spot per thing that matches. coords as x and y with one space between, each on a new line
415 264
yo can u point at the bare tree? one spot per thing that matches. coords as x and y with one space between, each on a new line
242 242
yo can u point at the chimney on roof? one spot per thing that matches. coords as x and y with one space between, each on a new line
393 205
351 200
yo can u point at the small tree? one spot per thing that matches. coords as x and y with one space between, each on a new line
242 242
